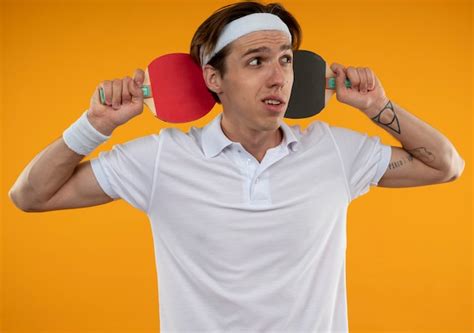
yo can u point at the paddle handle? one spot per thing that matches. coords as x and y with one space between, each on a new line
331 83
145 89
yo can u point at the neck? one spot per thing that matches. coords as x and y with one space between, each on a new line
255 141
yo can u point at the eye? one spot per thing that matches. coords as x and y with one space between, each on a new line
289 59
254 61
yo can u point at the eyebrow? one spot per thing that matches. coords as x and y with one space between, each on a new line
265 49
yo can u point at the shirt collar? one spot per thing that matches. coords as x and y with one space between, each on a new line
214 140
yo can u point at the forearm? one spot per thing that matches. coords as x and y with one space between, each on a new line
45 175
418 138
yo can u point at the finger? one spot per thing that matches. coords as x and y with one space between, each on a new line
95 99
339 70
116 93
126 97
353 77
371 78
107 85
139 76
363 79
135 91
334 66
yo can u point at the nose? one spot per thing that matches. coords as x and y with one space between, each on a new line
277 76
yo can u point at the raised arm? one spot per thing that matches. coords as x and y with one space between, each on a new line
54 179
426 156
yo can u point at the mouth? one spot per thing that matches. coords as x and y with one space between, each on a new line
274 103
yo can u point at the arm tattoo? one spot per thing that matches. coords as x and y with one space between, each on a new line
422 154
399 163
390 118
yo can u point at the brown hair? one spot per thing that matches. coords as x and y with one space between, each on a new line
209 31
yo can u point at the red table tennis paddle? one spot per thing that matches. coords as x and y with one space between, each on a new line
313 86
174 89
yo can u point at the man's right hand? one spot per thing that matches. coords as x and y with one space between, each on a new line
123 101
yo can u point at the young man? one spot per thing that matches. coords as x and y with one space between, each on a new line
248 214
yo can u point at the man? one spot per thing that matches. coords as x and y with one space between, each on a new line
248 214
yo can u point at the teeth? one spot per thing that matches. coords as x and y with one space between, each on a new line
272 101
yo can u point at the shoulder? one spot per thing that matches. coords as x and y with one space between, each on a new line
177 139
178 134
325 133
348 137
310 134
140 144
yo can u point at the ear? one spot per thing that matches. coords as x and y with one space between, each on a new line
212 78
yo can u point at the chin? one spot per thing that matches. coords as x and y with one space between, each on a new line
271 124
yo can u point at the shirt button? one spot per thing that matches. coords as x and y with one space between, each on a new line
256 180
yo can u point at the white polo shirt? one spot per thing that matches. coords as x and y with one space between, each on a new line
242 246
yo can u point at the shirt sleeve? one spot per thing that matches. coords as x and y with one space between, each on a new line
364 158
127 171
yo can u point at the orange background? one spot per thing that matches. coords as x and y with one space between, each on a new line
409 255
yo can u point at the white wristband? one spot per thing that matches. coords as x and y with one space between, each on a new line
82 137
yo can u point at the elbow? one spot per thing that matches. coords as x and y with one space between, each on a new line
16 201
21 204
456 170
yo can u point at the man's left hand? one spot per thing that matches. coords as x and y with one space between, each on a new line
366 92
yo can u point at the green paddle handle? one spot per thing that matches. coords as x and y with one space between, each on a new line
332 83
145 89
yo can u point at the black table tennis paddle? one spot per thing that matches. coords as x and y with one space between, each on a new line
313 86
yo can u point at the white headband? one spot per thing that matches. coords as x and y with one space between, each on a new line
242 26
